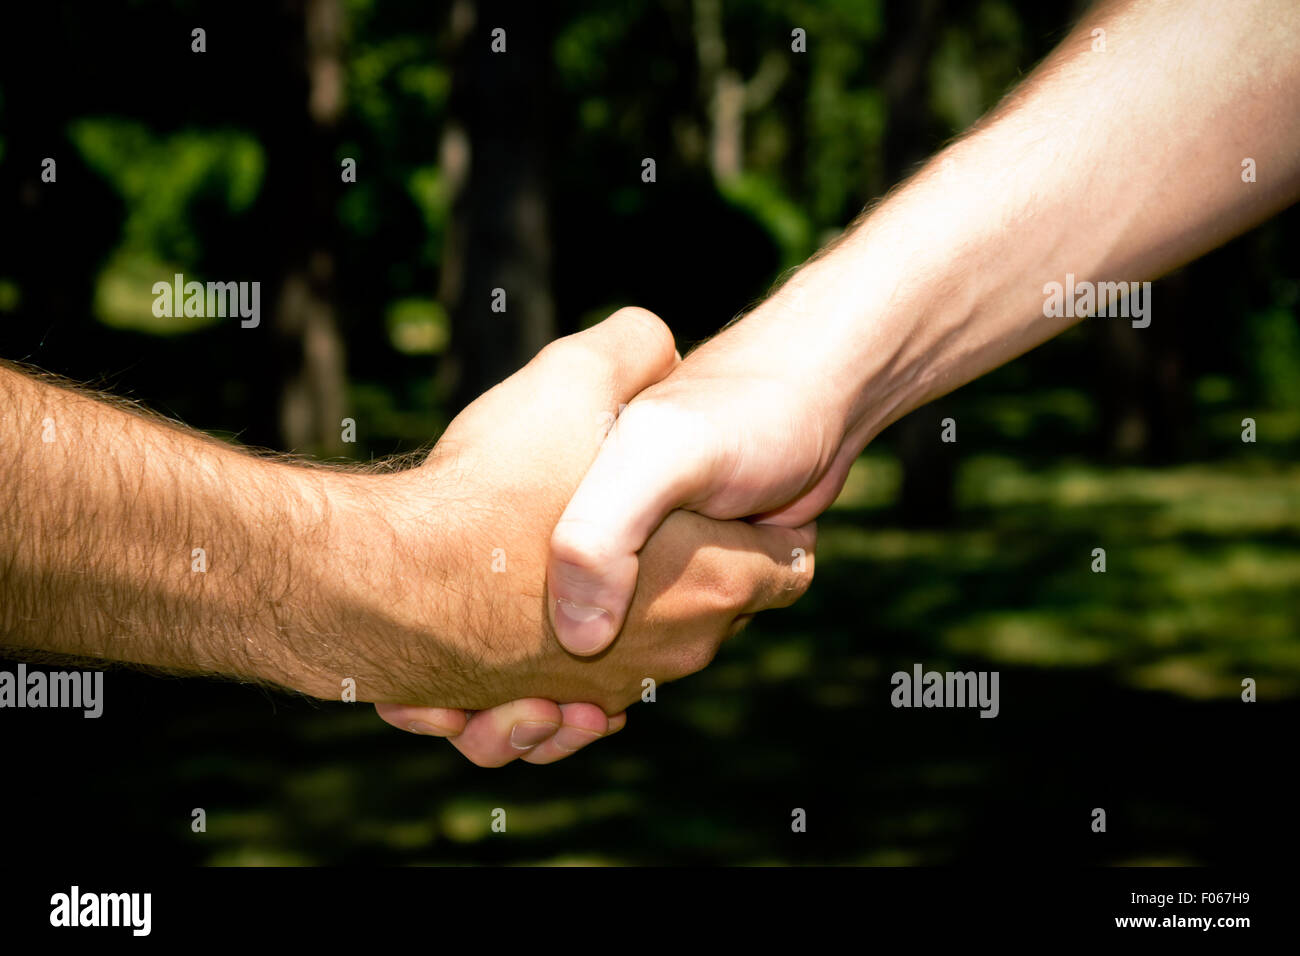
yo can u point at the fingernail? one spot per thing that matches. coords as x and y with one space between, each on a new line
582 629
527 734
429 730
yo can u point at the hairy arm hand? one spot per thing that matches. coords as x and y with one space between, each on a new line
1110 165
130 538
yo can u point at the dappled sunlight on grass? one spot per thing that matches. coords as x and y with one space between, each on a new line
465 821
1202 580
256 856
1027 638
568 860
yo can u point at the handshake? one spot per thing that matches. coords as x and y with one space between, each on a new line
537 569
577 533
493 588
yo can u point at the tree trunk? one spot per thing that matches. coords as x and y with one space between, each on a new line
303 181
929 467
1141 391
493 152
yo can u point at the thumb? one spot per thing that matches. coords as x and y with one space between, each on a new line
648 466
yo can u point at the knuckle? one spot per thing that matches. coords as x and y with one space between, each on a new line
574 354
792 583
551 351
804 578
658 336
581 544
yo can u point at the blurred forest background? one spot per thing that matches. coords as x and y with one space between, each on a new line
523 171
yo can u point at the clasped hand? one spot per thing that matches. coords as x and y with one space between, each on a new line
475 522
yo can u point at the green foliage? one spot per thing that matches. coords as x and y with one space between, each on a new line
390 77
588 43
844 129
160 177
418 326
428 188
975 64
780 216
1273 337
160 180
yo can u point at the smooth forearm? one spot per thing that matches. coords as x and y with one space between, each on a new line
1108 166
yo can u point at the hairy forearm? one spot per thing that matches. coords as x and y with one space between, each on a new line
1110 166
131 539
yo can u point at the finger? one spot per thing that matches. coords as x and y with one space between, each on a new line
583 724
429 721
495 737
489 737
739 568
631 350
589 598
792 555
648 466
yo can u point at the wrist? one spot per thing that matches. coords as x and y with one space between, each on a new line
846 354
885 310
375 568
